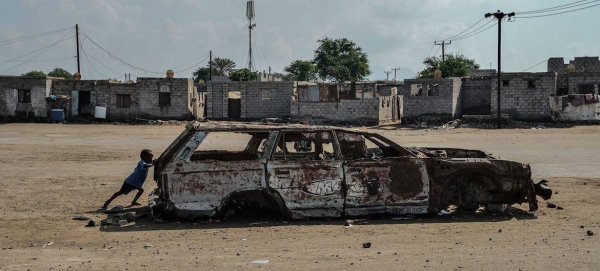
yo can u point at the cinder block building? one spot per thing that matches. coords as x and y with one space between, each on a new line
432 96
24 98
367 103
248 100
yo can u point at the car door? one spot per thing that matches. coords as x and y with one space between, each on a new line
380 178
306 170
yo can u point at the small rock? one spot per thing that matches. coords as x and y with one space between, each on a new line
581 227
378 252
148 245
500 230
590 233
366 245
92 223
348 223
559 208
550 205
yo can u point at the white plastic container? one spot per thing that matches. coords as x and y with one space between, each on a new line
100 112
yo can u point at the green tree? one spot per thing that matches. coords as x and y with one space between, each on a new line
34 74
341 60
301 70
456 65
60 72
203 74
244 74
222 65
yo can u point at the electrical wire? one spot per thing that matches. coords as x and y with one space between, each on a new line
99 62
428 54
195 59
466 37
472 32
535 65
558 13
88 60
239 42
465 29
117 58
263 51
561 7
10 41
45 60
32 52
193 66
47 48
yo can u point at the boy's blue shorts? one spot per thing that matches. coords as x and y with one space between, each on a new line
126 188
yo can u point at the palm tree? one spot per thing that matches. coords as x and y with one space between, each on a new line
223 65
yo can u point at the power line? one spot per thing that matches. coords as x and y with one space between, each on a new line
89 62
470 33
47 48
92 57
465 29
193 66
552 14
535 65
551 9
428 54
195 59
35 51
10 41
466 37
117 58
45 60
261 48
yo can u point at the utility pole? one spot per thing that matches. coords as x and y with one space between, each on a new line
250 16
395 70
387 75
443 44
210 67
500 16
77 40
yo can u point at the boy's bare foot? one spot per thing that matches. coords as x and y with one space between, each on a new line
135 203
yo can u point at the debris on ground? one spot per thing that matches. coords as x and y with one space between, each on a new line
401 218
122 222
366 245
114 209
92 223
260 261
590 233
49 244
348 223
148 245
106 222
81 218
559 208
550 205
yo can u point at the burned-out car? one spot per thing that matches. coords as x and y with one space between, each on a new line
319 171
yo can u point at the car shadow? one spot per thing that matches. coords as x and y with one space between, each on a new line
147 223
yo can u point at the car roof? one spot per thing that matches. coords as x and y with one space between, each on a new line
261 127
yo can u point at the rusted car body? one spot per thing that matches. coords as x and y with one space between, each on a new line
307 171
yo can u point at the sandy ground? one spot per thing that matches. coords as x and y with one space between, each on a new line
50 173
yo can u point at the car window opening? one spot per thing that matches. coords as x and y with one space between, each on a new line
310 146
230 146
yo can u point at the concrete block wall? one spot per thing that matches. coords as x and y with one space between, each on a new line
582 64
520 101
258 99
10 108
446 103
572 81
345 110
476 96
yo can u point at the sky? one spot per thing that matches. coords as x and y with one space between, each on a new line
148 37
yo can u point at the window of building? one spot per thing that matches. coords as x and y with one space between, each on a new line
586 89
24 96
416 90
433 90
268 94
505 83
123 100
562 91
164 99
531 84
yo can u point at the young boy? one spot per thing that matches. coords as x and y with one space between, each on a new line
136 180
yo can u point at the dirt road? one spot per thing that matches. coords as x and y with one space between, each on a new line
50 173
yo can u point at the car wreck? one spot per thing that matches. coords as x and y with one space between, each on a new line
304 171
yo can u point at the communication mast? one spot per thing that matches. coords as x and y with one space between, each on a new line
250 16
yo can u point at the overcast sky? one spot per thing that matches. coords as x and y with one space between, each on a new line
157 35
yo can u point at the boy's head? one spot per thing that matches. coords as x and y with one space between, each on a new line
146 155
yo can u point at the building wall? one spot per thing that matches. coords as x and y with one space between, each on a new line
519 100
258 99
476 96
582 64
355 110
446 102
573 81
11 109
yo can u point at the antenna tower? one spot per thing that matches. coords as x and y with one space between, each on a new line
250 16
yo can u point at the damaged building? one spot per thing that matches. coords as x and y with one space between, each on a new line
146 98
367 103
